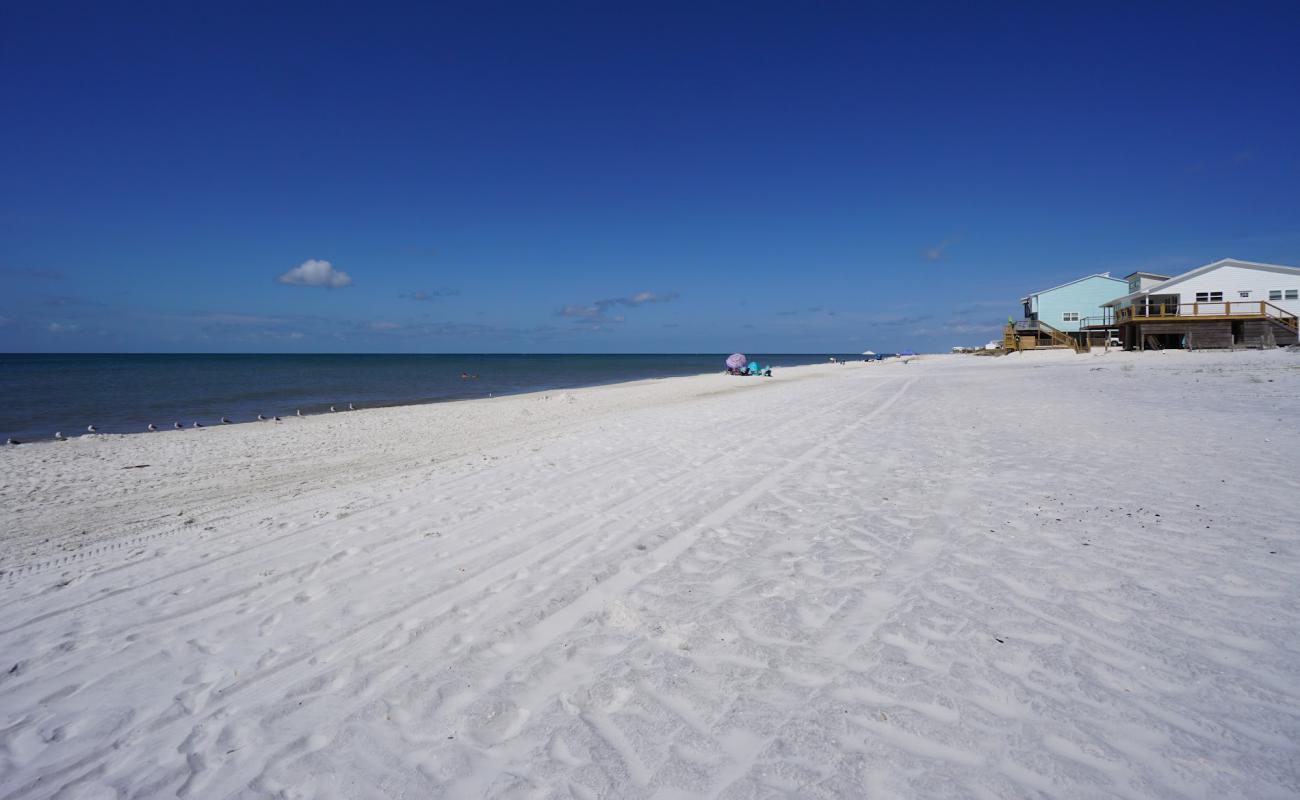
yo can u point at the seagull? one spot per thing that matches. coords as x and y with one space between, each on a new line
225 420
332 408
261 418
299 412
198 424
12 440
177 425
153 427
351 407
277 419
92 429
59 435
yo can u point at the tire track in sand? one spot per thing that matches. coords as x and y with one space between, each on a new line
370 634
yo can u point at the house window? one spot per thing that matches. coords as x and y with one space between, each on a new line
1293 294
1274 294
1209 297
1070 316
1244 293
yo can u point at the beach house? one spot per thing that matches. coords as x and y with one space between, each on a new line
1056 317
1227 303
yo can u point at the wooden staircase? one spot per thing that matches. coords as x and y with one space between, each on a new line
1055 339
1060 338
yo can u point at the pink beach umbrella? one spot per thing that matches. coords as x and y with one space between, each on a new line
736 361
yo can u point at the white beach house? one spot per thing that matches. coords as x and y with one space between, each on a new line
1227 303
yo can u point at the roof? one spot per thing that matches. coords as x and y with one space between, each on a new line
1223 262
1141 274
1105 275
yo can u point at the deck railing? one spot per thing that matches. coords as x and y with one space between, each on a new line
1223 310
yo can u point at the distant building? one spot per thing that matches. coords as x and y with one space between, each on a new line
1227 303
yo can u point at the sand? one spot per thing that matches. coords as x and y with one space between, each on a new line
1038 575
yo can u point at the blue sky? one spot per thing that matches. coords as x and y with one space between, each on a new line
597 177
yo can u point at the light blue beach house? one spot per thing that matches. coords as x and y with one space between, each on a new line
1066 307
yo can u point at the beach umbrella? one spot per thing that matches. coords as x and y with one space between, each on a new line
736 361
868 353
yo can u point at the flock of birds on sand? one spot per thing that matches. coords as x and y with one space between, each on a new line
60 436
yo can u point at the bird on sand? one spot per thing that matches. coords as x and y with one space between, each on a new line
177 425
225 420
351 407
59 435
12 440
198 424
92 429
152 427
299 412
261 418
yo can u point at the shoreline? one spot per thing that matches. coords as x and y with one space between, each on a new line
493 387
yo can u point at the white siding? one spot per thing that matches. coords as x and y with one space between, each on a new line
1231 279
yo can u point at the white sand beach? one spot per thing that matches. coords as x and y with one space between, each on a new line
1042 575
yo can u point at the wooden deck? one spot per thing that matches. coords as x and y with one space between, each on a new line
1206 312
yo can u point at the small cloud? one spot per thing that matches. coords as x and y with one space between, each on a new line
296 334
937 252
580 312
313 272
383 325
641 298
62 327
599 311
428 296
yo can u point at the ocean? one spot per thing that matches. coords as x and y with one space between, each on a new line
120 393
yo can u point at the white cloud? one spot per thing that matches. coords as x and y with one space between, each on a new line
313 272
598 312
62 327
580 312
383 325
